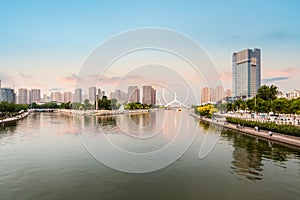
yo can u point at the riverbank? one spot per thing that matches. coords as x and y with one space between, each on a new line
15 118
278 137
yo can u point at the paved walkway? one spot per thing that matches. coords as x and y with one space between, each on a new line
287 139
13 119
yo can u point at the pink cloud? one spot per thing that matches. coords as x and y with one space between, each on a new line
280 72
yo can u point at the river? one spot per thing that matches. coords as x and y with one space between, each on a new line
57 156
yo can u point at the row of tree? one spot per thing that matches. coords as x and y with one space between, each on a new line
12 107
265 101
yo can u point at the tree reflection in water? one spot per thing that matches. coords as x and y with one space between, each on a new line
250 152
107 121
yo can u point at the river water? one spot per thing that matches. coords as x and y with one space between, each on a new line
57 156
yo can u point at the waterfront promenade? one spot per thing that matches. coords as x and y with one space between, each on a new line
15 118
278 137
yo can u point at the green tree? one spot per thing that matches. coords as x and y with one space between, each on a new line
104 103
267 92
295 106
229 107
65 105
240 105
280 105
251 104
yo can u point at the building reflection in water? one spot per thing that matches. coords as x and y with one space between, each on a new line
249 154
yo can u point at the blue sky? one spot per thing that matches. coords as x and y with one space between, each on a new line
42 43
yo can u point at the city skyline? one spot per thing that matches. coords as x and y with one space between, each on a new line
50 54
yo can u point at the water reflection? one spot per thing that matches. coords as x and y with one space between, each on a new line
250 153
107 121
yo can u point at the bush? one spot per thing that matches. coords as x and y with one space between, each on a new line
270 126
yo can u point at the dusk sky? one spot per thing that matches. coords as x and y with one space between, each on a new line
44 43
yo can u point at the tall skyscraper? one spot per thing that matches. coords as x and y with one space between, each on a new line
58 97
68 97
219 93
205 95
212 95
45 98
100 93
246 72
78 95
133 94
92 94
29 96
8 95
228 93
35 95
149 95
22 94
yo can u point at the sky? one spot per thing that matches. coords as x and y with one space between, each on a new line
43 44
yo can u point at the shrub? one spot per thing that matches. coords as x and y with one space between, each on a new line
270 126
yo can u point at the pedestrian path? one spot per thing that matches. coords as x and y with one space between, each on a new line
287 139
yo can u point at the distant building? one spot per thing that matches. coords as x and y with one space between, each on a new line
35 95
212 93
45 98
149 95
22 96
153 96
205 95
133 94
68 97
100 93
78 95
228 93
8 95
246 72
92 95
29 97
219 93
120 95
294 94
58 97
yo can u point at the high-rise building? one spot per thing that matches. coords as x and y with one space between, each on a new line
58 97
228 93
133 94
92 94
153 96
8 95
212 94
246 72
149 95
29 96
219 93
45 98
52 96
205 95
100 93
35 95
67 97
78 95
22 94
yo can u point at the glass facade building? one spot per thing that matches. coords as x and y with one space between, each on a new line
7 94
246 72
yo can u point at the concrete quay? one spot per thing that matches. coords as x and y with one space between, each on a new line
278 137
